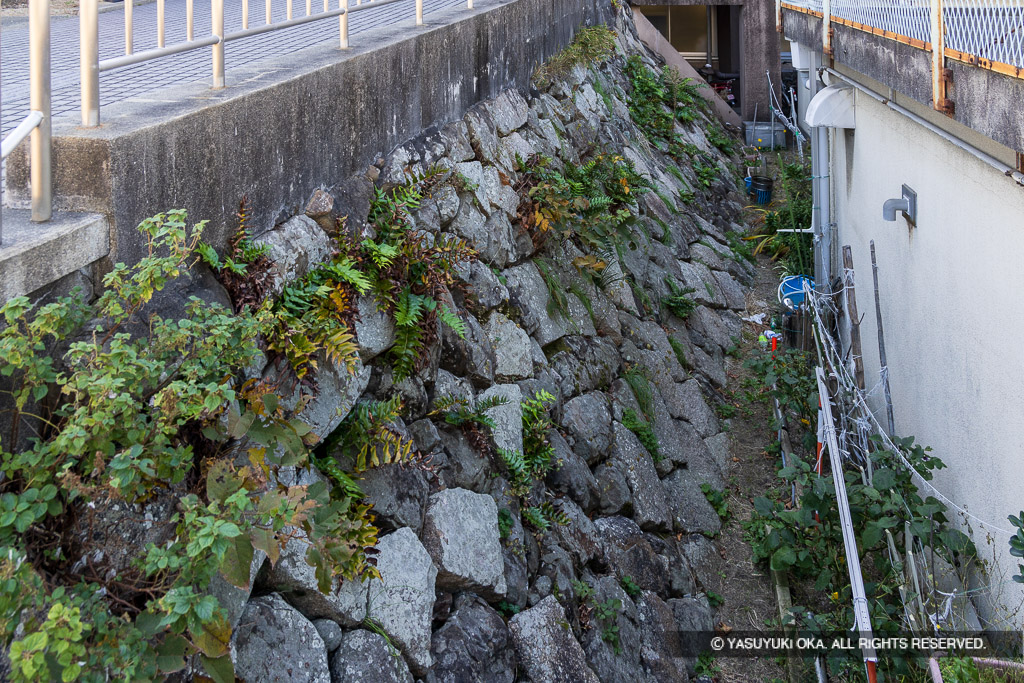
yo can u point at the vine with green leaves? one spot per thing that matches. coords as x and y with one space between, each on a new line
805 540
131 412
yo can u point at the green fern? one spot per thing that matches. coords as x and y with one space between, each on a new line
366 435
452 320
679 303
518 470
457 412
543 516
344 270
405 354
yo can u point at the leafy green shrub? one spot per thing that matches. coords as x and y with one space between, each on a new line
720 139
791 209
807 542
538 454
717 500
128 413
606 613
1017 544
592 45
630 586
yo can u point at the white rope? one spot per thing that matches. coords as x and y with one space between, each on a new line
848 383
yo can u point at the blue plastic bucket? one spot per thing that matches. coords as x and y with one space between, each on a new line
761 187
791 290
748 180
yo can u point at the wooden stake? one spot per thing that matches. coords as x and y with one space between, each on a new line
881 346
851 304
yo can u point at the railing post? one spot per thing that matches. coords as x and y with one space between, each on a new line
939 74
39 100
190 19
89 55
826 27
129 27
419 12
343 23
469 4
217 16
160 23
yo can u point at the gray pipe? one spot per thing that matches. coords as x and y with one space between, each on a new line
894 206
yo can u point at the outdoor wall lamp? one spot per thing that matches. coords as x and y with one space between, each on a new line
907 205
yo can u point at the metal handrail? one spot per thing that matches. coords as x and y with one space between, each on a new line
36 125
92 66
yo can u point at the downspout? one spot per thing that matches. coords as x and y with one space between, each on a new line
821 214
1009 171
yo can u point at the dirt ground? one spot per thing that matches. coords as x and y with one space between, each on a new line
749 602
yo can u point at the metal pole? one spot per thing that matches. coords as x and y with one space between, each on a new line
419 12
469 4
217 9
159 23
881 347
190 20
270 12
39 96
89 55
245 14
129 38
309 7
343 19
288 9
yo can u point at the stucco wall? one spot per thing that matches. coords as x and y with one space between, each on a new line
952 298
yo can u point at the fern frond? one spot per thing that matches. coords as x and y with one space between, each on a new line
452 320
405 352
344 270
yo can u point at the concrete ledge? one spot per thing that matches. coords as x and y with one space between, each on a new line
34 255
987 102
284 127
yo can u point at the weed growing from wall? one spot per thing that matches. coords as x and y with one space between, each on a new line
591 46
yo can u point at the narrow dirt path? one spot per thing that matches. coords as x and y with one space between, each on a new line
746 589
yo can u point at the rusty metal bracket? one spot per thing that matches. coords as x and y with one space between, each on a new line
941 76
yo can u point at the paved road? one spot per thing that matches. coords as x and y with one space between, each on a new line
187 67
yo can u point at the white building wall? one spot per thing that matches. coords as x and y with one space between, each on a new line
952 299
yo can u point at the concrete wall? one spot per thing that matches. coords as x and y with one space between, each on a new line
985 101
953 314
282 129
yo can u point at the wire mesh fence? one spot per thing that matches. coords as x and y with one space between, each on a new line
988 29
989 33
905 18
